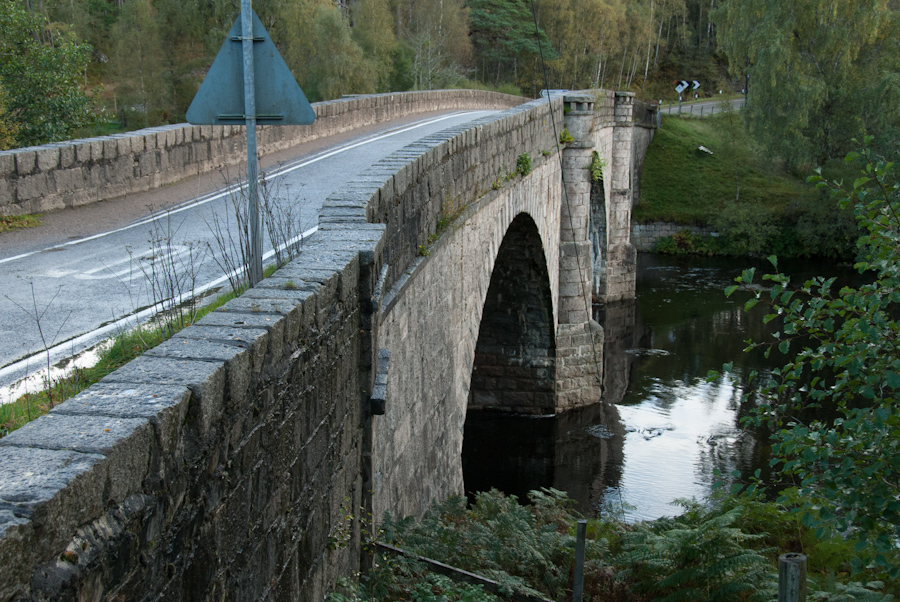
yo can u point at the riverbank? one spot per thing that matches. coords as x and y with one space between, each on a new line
710 175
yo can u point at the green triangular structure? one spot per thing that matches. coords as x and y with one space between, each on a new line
220 99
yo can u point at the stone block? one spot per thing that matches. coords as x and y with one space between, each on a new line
66 156
271 323
123 144
26 162
32 187
110 148
206 380
236 357
165 406
57 490
48 158
16 555
7 163
68 180
138 143
126 443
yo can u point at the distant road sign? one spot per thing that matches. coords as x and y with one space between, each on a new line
682 86
696 84
279 99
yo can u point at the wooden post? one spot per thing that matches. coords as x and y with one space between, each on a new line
792 578
578 586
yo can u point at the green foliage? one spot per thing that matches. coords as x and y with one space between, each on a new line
842 356
597 165
523 164
404 579
139 63
336 65
812 67
525 547
565 137
8 127
503 36
725 549
747 228
40 69
682 184
685 242
753 205
698 556
17 222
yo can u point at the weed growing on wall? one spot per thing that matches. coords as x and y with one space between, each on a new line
523 164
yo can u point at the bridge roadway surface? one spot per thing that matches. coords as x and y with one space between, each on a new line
83 271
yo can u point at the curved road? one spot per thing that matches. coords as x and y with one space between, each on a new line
86 274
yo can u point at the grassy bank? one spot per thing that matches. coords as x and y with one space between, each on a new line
682 184
709 172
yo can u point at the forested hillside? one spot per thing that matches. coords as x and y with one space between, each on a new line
141 61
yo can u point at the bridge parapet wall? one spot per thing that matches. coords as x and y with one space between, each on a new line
222 464
417 190
78 172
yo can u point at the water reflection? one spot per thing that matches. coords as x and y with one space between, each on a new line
662 431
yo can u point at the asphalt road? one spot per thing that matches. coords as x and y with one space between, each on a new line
702 108
89 273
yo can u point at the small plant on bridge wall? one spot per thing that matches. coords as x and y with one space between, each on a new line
451 209
501 178
597 165
565 137
523 164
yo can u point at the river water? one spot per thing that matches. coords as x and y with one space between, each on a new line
662 432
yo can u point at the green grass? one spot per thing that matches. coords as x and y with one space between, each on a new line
16 222
685 185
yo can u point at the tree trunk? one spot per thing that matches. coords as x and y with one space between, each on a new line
658 37
649 44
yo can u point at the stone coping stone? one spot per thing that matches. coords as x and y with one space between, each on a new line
57 490
88 434
206 380
127 400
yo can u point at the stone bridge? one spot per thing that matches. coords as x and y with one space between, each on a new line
235 460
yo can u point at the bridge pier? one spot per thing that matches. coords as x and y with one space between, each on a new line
579 339
614 256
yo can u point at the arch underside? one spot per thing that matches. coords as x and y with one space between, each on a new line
515 356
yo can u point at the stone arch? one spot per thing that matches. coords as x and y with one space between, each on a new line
515 356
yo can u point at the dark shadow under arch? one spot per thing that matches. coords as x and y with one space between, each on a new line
514 369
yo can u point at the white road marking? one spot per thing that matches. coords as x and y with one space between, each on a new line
231 189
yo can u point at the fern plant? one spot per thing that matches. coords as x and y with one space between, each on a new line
698 556
525 548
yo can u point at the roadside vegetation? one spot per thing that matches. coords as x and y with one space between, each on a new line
169 275
17 222
114 354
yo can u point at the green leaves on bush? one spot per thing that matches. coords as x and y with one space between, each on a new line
842 355
523 164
